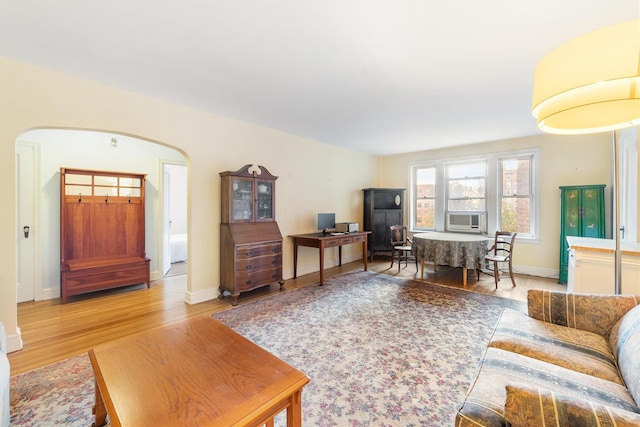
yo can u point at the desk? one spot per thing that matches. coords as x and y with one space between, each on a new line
197 372
452 249
322 241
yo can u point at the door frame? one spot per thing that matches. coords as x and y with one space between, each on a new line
34 232
164 221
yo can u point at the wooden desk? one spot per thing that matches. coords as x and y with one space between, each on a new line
453 249
197 372
322 241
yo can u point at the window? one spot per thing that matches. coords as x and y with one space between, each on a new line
501 185
515 194
425 200
466 185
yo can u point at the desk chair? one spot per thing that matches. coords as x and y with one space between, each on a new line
501 252
401 243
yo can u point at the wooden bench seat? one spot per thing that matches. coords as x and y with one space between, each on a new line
87 275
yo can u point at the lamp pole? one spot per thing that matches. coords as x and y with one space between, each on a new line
617 270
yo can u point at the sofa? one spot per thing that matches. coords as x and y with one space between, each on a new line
4 379
573 360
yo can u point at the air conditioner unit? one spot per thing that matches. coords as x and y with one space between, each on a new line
467 222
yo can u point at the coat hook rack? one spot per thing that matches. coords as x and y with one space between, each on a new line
79 197
106 198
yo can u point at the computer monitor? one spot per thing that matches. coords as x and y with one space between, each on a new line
326 222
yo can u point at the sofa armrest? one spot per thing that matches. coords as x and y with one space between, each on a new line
528 406
590 312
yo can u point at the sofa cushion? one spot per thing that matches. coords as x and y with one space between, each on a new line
625 342
574 349
484 404
529 406
590 312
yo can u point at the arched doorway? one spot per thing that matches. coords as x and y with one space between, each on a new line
85 149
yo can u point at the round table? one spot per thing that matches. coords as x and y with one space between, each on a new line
452 249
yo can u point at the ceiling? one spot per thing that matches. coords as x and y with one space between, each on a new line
376 76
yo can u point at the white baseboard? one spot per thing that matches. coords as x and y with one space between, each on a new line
50 293
14 341
547 273
201 296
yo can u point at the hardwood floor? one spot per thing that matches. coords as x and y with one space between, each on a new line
52 331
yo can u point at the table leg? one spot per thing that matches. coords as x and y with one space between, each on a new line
295 258
340 255
321 249
99 410
422 268
364 253
464 277
294 412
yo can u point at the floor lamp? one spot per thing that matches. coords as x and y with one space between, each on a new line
591 84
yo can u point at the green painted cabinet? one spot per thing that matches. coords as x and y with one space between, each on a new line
581 214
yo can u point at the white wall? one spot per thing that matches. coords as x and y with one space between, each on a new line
313 176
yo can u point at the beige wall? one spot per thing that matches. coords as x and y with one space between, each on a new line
313 177
565 160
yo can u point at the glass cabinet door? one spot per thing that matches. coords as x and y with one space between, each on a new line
264 207
242 199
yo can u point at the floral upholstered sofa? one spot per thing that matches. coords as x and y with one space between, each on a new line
573 361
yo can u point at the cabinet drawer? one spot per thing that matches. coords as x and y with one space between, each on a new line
259 263
331 243
357 239
250 280
247 252
346 240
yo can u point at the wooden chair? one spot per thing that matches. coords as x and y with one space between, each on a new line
501 252
402 244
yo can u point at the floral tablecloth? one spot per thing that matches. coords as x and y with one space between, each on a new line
452 249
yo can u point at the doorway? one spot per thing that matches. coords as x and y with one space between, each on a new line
29 280
174 235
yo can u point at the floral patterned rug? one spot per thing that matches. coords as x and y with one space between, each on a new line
379 350
55 395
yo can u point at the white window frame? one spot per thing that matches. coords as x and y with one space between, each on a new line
493 191
448 180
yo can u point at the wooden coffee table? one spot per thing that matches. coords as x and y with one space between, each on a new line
197 372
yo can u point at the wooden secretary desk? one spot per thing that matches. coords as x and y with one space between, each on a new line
250 240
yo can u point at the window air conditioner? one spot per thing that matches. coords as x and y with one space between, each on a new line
467 222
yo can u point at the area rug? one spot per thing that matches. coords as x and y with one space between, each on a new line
55 395
379 350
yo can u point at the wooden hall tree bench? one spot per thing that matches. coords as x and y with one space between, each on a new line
102 236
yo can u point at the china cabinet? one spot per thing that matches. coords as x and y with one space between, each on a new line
250 240
582 215
383 207
102 231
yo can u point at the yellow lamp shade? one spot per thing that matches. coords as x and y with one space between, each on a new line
591 83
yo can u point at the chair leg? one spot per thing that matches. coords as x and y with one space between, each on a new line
393 255
511 274
496 273
399 260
